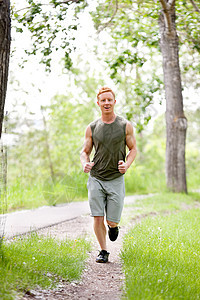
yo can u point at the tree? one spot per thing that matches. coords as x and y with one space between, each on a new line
176 122
123 20
5 28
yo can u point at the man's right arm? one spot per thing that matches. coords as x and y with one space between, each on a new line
85 153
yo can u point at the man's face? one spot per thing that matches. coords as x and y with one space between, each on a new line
106 102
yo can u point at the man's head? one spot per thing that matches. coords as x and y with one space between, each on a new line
105 89
106 100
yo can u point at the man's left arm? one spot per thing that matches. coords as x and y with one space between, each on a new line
131 144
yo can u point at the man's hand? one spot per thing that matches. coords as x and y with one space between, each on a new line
88 167
122 167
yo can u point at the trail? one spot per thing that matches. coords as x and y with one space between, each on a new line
99 281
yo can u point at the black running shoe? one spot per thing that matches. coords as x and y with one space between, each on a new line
102 257
113 233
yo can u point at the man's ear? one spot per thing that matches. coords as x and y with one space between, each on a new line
97 102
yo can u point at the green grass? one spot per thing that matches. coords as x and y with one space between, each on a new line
20 196
160 203
39 262
141 179
161 255
23 196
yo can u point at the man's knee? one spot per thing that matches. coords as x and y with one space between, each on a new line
98 219
111 224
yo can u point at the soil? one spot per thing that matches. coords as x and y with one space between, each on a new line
99 281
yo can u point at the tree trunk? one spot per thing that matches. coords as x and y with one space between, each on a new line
176 123
5 28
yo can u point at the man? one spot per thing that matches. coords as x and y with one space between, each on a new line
109 135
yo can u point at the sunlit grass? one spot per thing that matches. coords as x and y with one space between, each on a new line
142 180
160 203
161 255
39 262
20 196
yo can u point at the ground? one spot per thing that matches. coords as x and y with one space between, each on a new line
99 281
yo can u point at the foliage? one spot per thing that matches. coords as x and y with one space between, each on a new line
133 54
160 255
49 27
39 262
66 126
53 143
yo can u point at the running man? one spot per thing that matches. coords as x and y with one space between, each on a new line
109 135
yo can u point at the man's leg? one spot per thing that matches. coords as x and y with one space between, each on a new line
113 230
115 199
111 224
100 231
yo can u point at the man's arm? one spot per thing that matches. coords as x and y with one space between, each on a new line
131 144
85 153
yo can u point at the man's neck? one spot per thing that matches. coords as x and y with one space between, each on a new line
108 118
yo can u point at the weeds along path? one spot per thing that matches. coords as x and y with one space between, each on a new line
99 281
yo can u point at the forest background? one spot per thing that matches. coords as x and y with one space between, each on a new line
49 111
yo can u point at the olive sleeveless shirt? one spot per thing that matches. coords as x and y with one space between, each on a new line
109 141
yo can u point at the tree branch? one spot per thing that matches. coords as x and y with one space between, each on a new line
171 3
195 6
112 17
164 4
166 9
44 4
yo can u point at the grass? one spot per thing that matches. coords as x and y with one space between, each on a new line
28 193
160 203
39 262
161 255
143 180
21 196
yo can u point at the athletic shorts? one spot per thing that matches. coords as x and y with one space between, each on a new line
106 197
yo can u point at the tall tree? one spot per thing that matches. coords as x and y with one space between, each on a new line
176 122
143 23
5 29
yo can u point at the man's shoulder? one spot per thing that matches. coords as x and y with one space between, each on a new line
94 123
122 119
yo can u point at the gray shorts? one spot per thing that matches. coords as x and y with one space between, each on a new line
106 197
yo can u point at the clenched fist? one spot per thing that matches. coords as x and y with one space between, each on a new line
88 167
122 167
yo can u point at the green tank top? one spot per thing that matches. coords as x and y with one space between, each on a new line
109 141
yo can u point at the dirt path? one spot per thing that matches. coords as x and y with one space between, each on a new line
99 281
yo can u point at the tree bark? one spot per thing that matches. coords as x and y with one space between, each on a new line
5 38
176 122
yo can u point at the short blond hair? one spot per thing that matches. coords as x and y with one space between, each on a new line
105 89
